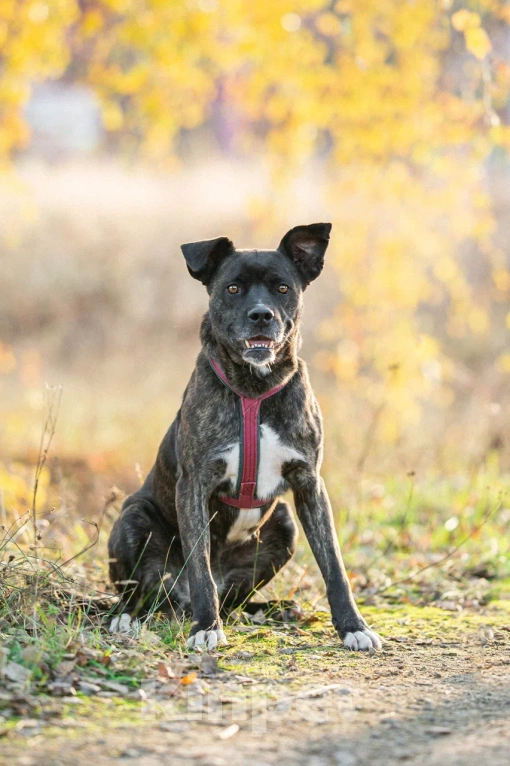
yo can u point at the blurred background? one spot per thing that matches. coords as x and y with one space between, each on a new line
128 127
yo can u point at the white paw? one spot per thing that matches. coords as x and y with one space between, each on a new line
363 640
207 639
125 625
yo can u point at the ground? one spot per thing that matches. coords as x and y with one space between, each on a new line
284 693
429 563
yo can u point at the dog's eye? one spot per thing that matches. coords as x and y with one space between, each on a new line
283 289
233 289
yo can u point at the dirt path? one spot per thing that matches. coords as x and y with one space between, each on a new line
438 700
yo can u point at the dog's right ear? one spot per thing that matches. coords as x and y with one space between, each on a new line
203 258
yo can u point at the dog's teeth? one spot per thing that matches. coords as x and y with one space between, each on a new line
254 344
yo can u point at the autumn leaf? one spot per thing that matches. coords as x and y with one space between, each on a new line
477 42
164 670
464 19
189 679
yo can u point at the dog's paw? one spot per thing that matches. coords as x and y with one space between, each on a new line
364 640
125 625
207 639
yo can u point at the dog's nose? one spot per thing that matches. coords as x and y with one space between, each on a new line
260 314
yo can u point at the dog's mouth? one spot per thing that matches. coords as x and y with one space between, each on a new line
259 341
259 350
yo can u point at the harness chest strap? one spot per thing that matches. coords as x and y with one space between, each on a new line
249 447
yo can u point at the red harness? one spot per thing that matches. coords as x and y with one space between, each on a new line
249 445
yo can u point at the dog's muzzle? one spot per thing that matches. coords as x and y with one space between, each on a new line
259 350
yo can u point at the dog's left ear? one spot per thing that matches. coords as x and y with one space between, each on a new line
306 246
203 258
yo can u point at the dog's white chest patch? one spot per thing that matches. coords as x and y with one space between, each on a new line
244 525
273 454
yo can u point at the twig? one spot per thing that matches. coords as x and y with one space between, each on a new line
112 497
46 438
48 432
6 531
87 547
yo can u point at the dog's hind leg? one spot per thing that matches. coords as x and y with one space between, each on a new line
145 564
246 567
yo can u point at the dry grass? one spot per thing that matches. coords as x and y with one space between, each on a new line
95 297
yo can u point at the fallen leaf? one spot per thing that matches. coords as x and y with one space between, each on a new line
209 665
165 671
229 731
13 671
310 619
81 659
65 667
189 679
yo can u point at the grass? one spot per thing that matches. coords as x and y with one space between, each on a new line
414 572
423 523
294 656
428 558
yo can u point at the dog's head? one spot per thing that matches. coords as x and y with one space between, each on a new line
256 295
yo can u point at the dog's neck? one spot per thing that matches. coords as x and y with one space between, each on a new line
247 378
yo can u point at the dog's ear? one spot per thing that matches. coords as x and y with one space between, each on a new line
306 246
203 258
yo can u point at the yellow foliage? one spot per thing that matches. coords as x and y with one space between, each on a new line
366 72
361 83
504 363
464 19
477 42
17 482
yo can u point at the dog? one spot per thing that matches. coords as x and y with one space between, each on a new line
208 528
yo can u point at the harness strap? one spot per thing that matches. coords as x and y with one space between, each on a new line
249 446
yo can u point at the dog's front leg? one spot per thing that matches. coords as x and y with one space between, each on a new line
314 511
193 518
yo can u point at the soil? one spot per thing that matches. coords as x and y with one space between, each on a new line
425 699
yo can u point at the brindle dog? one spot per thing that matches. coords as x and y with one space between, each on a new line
177 545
